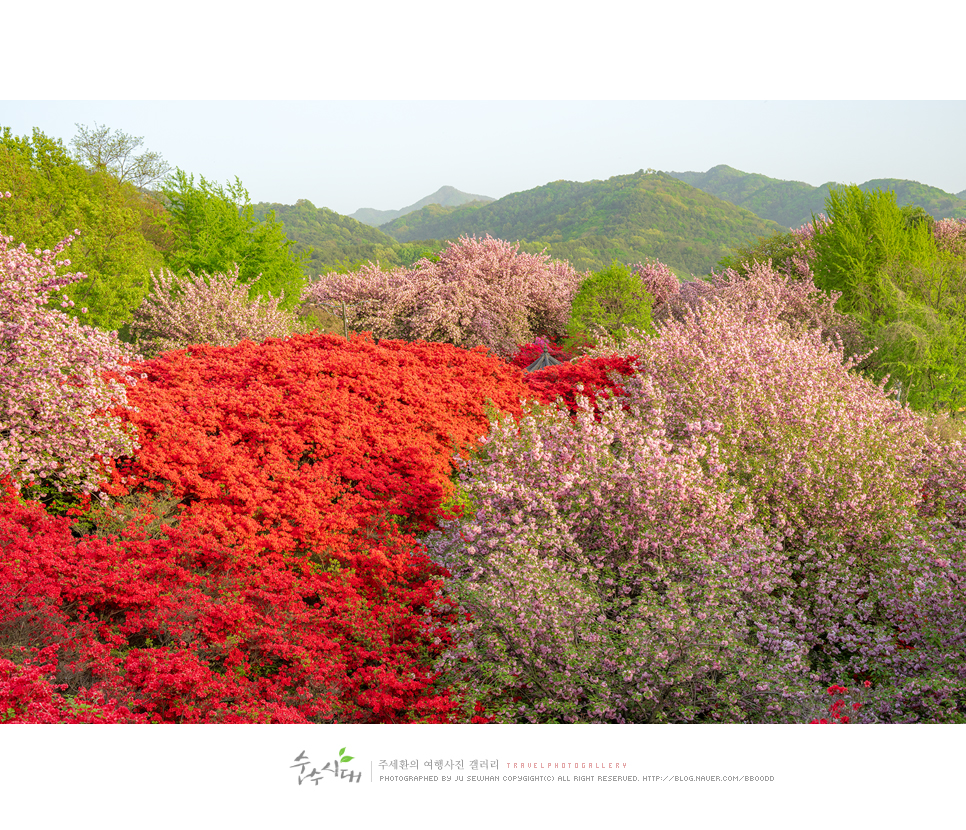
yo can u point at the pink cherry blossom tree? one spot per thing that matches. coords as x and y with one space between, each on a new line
658 279
206 308
477 292
59 379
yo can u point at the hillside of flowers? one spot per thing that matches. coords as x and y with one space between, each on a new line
723 511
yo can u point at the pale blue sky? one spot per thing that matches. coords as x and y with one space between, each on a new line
380 104
388 154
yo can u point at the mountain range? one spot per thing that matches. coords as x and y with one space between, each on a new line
690 221
792 204
335 242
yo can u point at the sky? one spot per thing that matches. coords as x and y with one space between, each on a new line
378 105
347 155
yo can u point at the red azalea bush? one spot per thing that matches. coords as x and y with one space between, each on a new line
591 377
529 352
288 584
307 439
839 711
180 629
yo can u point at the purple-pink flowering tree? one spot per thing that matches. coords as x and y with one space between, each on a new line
658 279
55 395
689 296
206 308
950 235
583 570
739 531
794 298
374 298
477 292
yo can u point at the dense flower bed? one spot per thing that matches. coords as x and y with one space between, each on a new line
287 584
720 521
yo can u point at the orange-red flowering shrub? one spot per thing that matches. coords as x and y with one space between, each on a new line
292 587
301 443
529 352
590 377
180 629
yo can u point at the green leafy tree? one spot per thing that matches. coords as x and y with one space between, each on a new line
922 345
868 231
214 229
99 148
613 300
54 195
908 296
916 214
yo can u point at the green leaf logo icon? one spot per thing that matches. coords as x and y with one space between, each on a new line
343 757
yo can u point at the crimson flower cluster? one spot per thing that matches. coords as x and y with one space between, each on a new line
838 711
286 584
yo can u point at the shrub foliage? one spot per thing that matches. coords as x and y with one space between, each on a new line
207 308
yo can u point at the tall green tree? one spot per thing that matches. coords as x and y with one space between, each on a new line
868 232
214 229
908 296
54 195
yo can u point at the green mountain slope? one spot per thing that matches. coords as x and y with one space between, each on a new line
412 225
446 197
937 203
628 218
791 204
336 241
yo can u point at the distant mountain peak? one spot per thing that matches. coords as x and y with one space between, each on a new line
446 196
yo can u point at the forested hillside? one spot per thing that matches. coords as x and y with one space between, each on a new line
628 218
330 241
121 239
792 204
